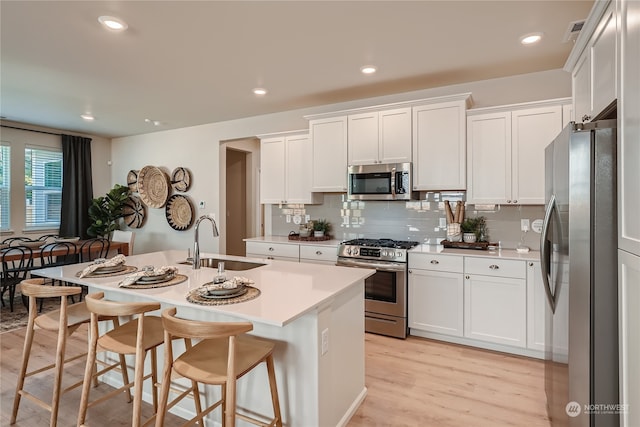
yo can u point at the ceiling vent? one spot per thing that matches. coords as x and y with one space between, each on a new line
572 31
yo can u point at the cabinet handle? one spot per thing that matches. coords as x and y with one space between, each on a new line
530 264
515 201
271 249
508 201
467 277
494 267
586 117
318 253
435 261
410 271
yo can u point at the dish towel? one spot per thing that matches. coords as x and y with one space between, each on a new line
166 270
101 262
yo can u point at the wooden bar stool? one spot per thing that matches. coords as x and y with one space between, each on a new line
135 337
224 354
65 321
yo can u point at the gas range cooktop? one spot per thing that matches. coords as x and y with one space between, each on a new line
376 249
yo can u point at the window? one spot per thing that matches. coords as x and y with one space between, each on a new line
5 187
43 187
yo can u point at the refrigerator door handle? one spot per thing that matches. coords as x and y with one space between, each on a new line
544 253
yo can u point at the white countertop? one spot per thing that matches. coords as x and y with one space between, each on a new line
285 239
288 289
498 253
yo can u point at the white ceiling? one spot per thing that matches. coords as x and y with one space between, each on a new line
186 63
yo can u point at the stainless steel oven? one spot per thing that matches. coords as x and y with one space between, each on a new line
385 292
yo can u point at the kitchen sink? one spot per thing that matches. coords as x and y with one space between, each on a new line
228 264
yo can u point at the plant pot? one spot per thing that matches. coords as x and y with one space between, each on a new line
318 234
469 237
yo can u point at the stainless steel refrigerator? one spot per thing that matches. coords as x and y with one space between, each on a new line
579 267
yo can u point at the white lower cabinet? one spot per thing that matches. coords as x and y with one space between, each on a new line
495 294
629 301
318 254
268 250
436 302
536 307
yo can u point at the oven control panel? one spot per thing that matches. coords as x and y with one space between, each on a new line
396 255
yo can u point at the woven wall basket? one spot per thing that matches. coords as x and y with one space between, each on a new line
153 186
179 212
134 212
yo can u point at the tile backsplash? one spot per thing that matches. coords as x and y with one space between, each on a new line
419 220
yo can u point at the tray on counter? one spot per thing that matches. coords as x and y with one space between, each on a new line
309 238
482 246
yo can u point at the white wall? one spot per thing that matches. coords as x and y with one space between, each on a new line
197 148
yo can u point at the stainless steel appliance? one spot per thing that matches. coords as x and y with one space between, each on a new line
385 304
391 181
579 262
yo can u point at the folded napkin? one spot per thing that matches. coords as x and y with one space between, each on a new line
101 262
148 272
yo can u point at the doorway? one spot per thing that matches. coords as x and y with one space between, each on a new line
241 213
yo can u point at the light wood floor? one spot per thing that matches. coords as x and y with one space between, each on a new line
413 382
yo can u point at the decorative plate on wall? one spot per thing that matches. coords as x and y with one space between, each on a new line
132 180
134 212
179 212
181 179
153 186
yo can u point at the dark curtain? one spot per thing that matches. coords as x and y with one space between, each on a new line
77 186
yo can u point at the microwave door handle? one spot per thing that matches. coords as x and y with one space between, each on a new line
393 182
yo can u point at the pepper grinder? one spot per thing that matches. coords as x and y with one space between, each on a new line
220 277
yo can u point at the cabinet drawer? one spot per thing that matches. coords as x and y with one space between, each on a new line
436 262
495 267
267 249
318 253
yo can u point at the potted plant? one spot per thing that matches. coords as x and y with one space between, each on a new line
474 229
105 211
321 228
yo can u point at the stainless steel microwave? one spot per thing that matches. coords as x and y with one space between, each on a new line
390 181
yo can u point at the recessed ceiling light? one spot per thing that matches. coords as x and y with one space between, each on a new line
112 23
153 122
531 38
368 69
260 91
88 117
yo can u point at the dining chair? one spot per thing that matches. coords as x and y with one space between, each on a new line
223 355
137 337
125 236
16 263
65 321
93 248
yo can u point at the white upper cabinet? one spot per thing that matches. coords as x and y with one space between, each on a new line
285 176
592 64
629 131
380 137
329 154
505 150
439 145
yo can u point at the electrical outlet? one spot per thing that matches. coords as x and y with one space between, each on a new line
325 341
524 225
202 204
443 222
288 219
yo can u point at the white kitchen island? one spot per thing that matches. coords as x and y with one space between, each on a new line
319 385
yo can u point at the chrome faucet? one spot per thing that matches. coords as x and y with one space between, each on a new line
196 245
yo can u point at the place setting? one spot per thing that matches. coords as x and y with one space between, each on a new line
151 277
222 291
102 267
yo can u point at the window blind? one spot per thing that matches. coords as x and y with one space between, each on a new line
5 187
43 187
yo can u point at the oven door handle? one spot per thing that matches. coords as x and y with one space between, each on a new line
390 266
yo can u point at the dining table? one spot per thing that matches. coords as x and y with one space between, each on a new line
36 252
